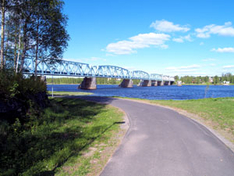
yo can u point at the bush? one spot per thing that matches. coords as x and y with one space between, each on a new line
20 96
21 103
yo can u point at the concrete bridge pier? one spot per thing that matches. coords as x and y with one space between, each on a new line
126 83
154 83
145 83
160 83
88 84
167 83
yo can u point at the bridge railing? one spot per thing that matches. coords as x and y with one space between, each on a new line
110 71
62 68
138 74
78 69
156 77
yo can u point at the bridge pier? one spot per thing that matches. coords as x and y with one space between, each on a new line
167 83
126 83
145 83
154 83
160 83
88 84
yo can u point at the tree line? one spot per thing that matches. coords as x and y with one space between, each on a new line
34 29
206 79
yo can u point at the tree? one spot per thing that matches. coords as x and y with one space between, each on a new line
176 78
3 10
33 29
50 37
216 80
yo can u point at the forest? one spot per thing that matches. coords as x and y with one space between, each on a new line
206 79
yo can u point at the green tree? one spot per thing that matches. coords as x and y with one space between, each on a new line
216 80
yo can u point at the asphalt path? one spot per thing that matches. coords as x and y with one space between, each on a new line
163 142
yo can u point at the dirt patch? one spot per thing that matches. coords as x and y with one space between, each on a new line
90 152
107 150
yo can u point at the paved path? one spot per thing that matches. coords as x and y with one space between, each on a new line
162 142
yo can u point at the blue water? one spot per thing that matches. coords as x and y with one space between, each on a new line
154 93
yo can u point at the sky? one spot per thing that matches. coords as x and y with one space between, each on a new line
171 37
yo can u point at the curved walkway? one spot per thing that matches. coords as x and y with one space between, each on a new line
163 142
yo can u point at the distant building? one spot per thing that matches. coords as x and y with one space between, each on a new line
226 82
179 83
211 79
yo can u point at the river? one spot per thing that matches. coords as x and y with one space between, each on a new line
155 93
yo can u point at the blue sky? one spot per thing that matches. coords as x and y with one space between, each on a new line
174 37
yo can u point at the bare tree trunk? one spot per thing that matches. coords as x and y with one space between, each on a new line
15 51
6 48
24 46
2 34
37 40
17 61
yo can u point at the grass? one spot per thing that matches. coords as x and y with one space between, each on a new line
62 93
67 139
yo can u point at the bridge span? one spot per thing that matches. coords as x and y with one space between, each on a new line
90 73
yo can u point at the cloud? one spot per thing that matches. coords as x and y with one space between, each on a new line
181 39
167 26
224 50
190 68
223 30
212 65
208 60
228 66
202 43
184 67
138 42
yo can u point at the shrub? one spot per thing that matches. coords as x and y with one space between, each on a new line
20 96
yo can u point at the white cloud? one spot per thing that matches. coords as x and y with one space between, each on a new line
224 50
167 26
137 42
181 39
228 66
208 60
212 65
223 30
184 69
202 43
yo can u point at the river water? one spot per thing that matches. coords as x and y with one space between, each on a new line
155 93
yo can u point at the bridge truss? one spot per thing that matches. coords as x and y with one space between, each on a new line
78 69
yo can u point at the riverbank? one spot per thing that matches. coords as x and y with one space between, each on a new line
71 137
63 93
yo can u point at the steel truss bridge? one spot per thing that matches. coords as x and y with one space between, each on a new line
77 69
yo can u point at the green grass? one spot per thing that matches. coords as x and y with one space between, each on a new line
62 93
56 143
